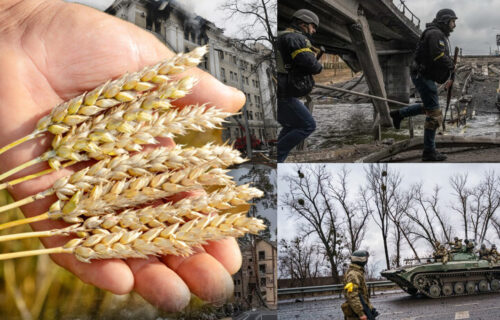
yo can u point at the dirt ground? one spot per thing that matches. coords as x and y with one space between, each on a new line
330 76
356 152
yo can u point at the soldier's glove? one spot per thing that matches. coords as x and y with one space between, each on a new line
375 313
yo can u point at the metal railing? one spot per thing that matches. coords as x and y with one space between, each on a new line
334 288
414 19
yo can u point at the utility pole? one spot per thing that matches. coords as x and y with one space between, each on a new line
245 118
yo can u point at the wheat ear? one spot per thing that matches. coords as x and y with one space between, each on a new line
126 166
174 239
155 216
124 89
105 128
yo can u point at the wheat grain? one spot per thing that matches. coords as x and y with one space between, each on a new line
110 136
176 239
122 167
127 88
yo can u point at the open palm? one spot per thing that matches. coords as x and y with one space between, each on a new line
51 51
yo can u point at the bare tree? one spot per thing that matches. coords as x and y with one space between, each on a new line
258 15
309 201
486 201
299 260
430 224
381 199
496 226
356 215
260 176
458 183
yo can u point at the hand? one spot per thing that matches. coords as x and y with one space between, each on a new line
363 318
448 84
51 51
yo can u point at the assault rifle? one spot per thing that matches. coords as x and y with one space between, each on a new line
371 314
450 89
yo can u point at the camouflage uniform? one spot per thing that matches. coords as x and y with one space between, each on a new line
469 246
352 308
441 253
493 254
483 253
456 246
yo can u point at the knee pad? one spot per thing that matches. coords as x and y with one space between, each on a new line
434 119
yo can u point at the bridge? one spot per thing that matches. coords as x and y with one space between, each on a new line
375 36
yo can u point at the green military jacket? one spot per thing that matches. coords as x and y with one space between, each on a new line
354 284
483 253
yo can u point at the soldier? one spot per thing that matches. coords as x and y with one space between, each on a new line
356 291
493 254
469 246
441 253
483 252
456 246
432 64
296 63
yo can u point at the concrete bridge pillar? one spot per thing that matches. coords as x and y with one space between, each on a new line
396 71
366 52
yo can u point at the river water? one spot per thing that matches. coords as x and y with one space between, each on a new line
346 124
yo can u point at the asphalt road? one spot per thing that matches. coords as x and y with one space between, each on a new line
258 315
401 306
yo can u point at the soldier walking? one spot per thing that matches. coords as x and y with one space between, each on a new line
358 304
432 64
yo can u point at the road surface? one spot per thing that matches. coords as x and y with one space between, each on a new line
401 306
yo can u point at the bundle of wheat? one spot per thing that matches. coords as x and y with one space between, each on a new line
111 205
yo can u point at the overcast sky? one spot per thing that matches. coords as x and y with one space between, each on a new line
477 25
428 174
207 9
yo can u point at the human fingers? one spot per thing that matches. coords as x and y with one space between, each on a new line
206 277
159 285
112 274
227 252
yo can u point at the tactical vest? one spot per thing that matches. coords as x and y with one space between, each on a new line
283 66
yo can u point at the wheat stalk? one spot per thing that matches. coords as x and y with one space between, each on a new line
127 88
127 127
176 239
114 195
155 216
122 167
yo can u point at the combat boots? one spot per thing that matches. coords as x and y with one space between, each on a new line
396 119
433 156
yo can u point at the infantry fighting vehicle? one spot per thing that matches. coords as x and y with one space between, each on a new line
463 274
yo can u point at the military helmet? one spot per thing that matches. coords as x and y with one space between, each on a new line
307 16
494 246
483 246
456 238
360 257
445 15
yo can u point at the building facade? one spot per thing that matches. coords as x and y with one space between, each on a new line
231 63
256 282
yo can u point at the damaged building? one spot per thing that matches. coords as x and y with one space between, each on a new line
182 30
255 284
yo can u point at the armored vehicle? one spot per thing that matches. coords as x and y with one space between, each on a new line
463 274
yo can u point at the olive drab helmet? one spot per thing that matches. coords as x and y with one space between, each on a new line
307 16
445 15
360 257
